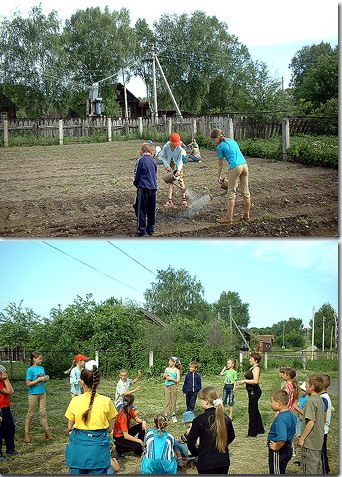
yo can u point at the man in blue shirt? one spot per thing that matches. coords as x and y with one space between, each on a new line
281 434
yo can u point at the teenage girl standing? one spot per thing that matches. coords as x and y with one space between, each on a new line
237 174
290 386
35 381
215 432
172 378
90 417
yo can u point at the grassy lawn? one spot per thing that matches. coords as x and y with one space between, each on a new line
248 456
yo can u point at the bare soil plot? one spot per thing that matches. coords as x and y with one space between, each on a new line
86 190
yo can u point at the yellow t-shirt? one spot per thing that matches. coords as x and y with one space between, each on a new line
102 411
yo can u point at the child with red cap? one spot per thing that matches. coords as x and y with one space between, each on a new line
171 155
75 374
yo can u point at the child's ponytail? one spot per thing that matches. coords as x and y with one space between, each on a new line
161 423
218 429
34 354
91 379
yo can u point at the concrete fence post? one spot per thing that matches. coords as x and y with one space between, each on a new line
230 128
109 129
5 132
60 127
285 137
169 126
150 359
193 128
140 126
265 360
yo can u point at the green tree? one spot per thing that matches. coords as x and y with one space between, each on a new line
231 302
315 79
17 324
32 61
325 315
175 292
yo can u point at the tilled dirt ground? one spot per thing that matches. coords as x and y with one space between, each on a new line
86 190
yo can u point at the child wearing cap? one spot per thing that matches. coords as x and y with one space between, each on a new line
172 155
145 180
7 427
181 446
299 410
75 375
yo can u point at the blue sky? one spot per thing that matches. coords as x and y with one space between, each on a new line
272 34
278 278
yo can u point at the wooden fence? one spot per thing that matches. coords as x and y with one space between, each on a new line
235 126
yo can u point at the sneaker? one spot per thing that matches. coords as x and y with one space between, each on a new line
13 453
294 453
166 418
174 419
184 203
180 462
168 204
121 454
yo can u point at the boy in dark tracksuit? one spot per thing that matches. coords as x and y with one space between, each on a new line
145 180
192 386
281 434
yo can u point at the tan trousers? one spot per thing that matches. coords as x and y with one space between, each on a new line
170 398
33 401
238 175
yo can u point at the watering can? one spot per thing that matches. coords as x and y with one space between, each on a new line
170 177
224 184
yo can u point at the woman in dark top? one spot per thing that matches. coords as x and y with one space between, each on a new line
255 425
215 432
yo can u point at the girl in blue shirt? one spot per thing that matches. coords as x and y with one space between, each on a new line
237 174
35 381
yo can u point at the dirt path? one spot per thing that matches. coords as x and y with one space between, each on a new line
86 190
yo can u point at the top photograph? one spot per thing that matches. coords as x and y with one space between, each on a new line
136 121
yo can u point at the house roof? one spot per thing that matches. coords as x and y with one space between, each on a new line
266 338
154 318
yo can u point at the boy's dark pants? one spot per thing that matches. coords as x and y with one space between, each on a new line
7 430
278 460
190 401
145 208
325 463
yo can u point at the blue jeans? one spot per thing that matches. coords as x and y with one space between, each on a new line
191 401
183 448
194 158
228 394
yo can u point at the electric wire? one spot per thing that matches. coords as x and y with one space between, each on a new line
115 246
91 267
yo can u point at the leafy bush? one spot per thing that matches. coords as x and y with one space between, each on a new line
322 365
319 151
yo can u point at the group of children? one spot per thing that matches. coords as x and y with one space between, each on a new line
96 424
173 155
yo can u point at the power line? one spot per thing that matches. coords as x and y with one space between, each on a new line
115 246
90 266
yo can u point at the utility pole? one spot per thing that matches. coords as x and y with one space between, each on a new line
125 95
313 333
154 86
230 318
331 337
323 333
283 336
168 88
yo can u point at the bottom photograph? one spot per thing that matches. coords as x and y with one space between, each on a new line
169 357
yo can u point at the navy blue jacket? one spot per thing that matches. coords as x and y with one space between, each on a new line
145 173
192 383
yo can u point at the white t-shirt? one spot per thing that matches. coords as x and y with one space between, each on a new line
121 388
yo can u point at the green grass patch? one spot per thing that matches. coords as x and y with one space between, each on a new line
45 457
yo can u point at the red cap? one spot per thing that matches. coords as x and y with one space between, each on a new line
80 357
175 139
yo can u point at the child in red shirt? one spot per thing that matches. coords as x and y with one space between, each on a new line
7 428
